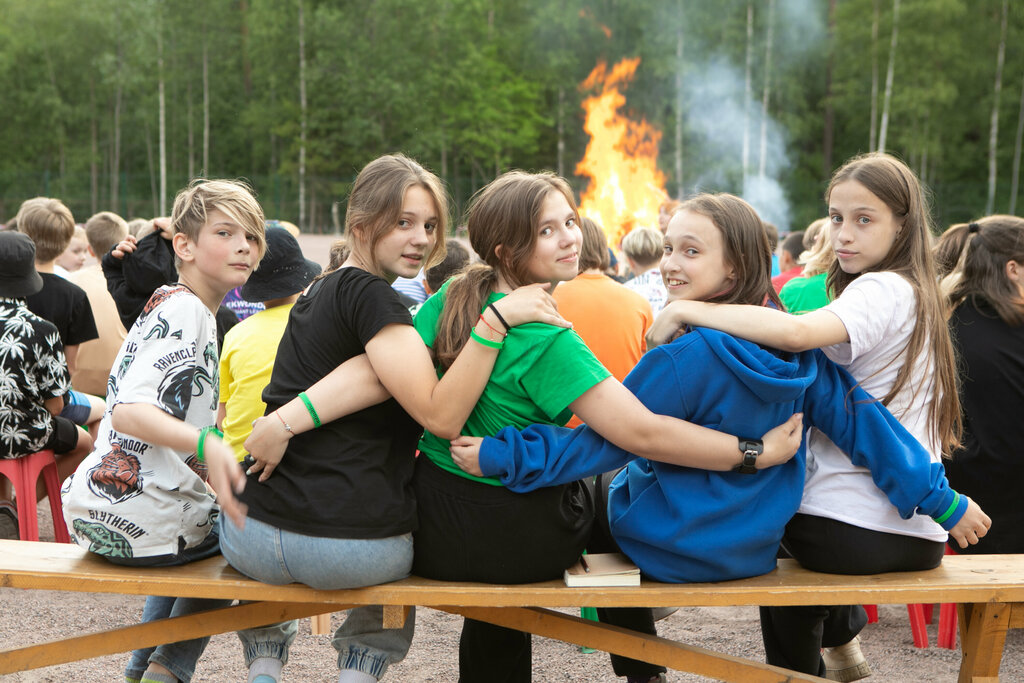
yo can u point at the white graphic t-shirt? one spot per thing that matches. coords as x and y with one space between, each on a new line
132 499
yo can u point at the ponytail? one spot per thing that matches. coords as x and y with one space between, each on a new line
463 302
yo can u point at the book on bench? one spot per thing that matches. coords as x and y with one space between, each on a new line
603 569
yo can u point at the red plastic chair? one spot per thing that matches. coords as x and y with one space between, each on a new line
922 614
24 473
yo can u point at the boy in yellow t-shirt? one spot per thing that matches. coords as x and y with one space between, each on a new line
247 359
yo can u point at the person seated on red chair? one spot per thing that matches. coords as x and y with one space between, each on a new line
34 378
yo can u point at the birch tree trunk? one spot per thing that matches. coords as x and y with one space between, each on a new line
873 135
763 165
115 161
94 178
190 130
890 69
560 127
993 129
162 197
1015 180
747 95
206 105
828 132
302 117
679 103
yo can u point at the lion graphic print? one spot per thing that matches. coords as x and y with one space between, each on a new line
135 499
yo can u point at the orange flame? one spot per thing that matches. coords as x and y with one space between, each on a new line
621 158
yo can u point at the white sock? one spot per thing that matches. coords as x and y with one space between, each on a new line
354 676
265 666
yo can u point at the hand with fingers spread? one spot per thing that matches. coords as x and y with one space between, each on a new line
466 454
529 304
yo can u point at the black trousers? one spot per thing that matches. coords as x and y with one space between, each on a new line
470 531
793 636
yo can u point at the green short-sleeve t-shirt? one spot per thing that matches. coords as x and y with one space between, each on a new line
540 370
805 294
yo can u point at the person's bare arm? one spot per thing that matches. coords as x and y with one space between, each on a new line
615 413
54 406
759 324
222 412
71 357
148 423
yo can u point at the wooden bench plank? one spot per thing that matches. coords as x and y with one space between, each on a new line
960 578
608 638
152 633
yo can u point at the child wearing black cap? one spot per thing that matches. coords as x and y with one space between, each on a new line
33 376
247 359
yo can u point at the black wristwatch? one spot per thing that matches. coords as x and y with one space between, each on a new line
750 448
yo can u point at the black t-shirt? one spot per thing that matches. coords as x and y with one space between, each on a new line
66 305
351 478
990 466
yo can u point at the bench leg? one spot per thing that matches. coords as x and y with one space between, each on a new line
212 622
983 634
620 641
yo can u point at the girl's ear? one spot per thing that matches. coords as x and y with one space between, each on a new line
1015 271
182 246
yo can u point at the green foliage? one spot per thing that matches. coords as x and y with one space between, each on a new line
475 87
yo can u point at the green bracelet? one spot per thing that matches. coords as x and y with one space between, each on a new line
311 409
486 342
952 508
202 440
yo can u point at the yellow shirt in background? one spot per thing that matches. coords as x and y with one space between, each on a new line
246 363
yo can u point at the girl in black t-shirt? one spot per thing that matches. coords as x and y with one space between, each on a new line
986 296
338 511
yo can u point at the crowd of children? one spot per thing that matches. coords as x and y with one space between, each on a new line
330 387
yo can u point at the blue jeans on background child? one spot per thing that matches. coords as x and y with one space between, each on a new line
179 658
266 553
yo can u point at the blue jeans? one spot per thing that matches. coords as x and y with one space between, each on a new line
179 658
266 553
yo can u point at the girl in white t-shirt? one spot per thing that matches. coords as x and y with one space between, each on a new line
886 327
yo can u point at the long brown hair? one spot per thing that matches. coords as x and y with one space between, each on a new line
746 246
910 256
375 203
502 220
980 272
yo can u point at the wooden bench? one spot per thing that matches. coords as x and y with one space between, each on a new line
990 589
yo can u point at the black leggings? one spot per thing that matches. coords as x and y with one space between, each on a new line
470 531
793 636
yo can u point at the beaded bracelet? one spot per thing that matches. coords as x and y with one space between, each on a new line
287 427
311 409
486 342
202 440
494 309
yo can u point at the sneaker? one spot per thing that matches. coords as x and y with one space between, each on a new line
8 522
846 662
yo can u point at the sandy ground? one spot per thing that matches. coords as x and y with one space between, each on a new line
28 617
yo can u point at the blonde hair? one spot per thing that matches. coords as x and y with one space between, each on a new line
50 225
910 256
104 230
233 198
819 258
644 245
503 217
375 203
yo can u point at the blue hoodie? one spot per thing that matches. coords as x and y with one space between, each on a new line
681 524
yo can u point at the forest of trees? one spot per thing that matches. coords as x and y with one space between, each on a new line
115 104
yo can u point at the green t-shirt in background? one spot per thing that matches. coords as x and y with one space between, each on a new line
540 370
805 294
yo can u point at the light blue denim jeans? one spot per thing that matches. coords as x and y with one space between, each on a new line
266 553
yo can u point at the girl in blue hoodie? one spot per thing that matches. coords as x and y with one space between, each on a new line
687 524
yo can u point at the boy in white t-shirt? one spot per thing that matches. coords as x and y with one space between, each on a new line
140 498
